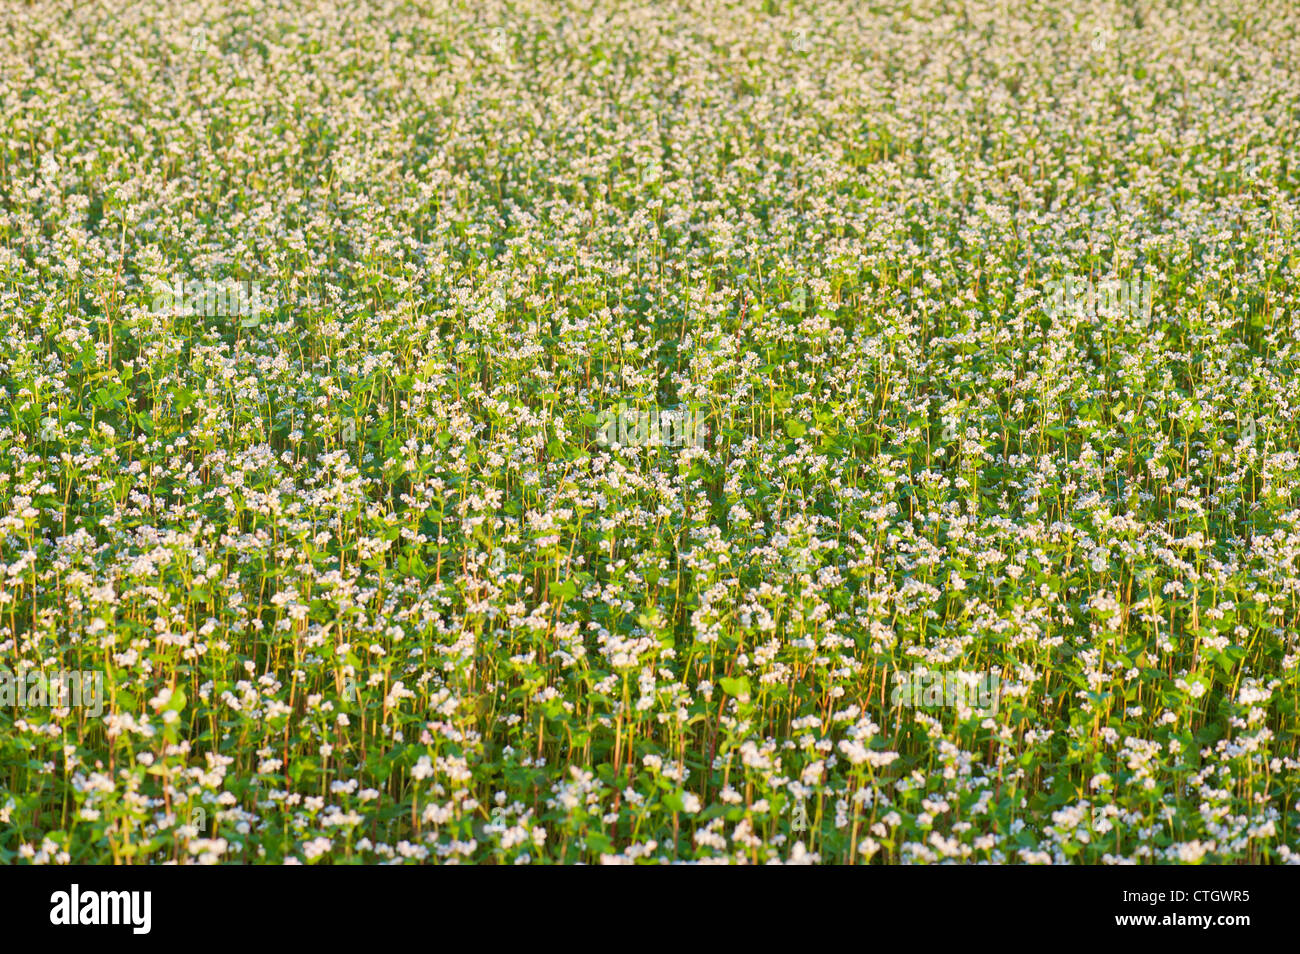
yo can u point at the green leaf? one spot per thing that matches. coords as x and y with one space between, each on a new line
599 842
735 687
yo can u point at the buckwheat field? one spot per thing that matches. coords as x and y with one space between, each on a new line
706 431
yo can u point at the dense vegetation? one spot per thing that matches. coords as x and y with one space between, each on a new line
364 578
